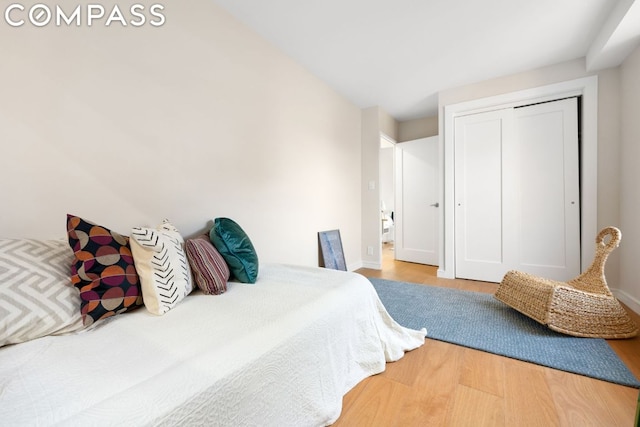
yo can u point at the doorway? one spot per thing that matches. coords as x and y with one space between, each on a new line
387 196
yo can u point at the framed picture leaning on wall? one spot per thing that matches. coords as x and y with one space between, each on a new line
331 250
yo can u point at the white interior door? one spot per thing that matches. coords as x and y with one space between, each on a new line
416 214
517 192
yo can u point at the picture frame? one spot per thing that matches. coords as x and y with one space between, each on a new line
332 255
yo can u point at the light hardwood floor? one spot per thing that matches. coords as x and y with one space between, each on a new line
441 384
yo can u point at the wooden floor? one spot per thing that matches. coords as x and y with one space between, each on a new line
442 384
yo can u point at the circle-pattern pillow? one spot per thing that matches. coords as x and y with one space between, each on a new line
103 270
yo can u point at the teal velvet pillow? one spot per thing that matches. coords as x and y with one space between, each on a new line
236 249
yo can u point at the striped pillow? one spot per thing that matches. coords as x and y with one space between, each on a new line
210 270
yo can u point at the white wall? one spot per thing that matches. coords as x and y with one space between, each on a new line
629 284
196 119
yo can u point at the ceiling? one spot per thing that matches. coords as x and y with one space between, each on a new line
398 54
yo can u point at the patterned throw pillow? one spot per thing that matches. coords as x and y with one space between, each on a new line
236 248
103 270
163 266
210 270
36 295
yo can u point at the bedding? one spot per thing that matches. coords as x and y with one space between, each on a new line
280 352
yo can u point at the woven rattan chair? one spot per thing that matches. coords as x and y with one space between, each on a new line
583 307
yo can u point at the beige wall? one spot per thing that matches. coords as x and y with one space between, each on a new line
196 119
388 125
609 162
417 128
608 124
515 82
371 128
375 121
629 284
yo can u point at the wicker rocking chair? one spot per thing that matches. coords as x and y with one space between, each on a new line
582 307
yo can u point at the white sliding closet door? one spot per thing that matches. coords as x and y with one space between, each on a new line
547 189
517 192
480 247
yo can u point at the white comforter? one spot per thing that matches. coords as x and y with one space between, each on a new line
281 352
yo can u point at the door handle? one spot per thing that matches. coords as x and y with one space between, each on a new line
435 205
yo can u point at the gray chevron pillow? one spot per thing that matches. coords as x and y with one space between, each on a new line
36 294
161 262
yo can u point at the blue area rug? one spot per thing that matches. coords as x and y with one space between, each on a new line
477 320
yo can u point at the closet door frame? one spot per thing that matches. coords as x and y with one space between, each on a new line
587 88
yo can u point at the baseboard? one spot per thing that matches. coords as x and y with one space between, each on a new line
631 302
354 266
372 265
444 274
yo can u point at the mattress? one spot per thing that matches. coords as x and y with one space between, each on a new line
280 352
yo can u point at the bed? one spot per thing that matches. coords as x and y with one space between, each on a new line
280 352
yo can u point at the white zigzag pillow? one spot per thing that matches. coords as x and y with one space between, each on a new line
161 262
36 295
